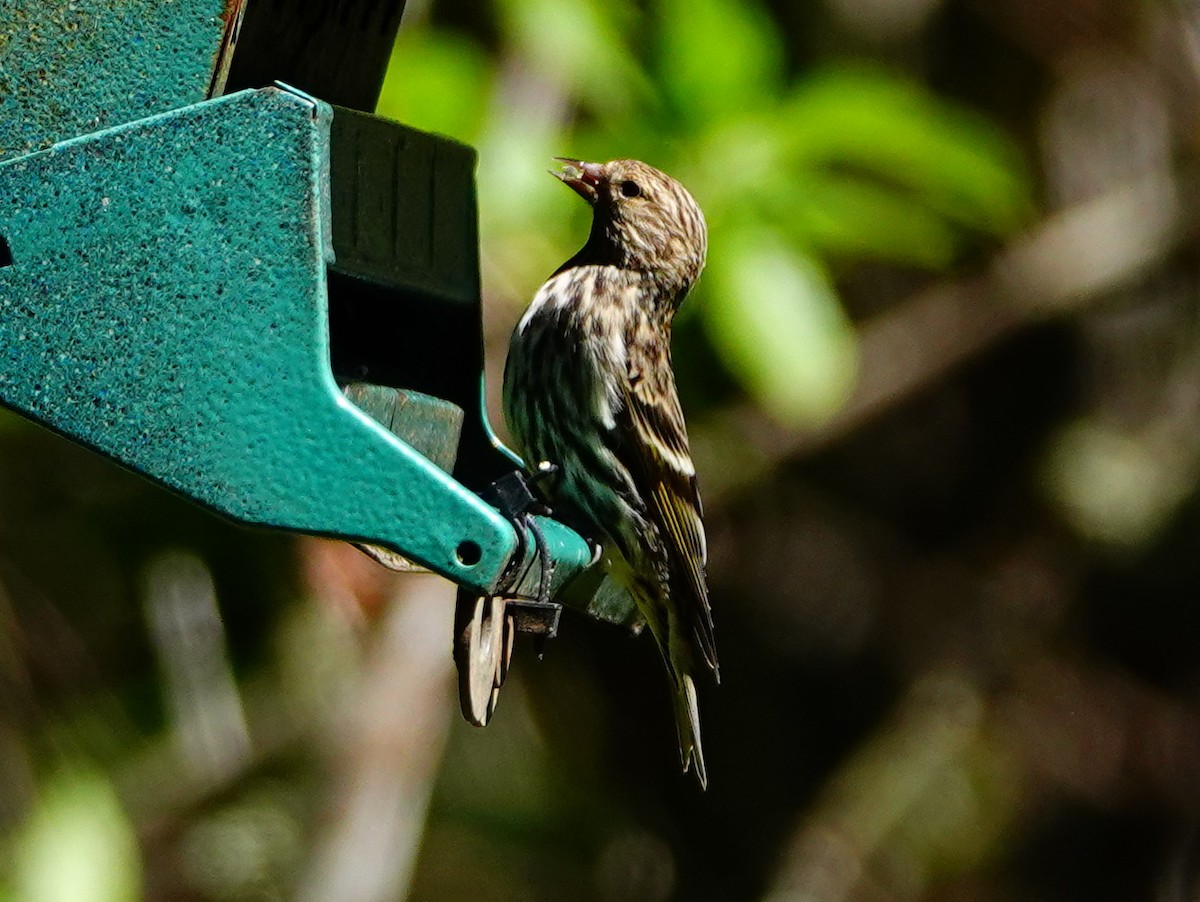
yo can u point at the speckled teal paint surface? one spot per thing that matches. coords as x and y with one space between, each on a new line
69 67
166 305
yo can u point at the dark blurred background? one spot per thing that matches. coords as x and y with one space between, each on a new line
943 381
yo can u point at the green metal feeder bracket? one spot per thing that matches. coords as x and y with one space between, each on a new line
163 301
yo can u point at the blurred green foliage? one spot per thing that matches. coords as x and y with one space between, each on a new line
77 844
798 176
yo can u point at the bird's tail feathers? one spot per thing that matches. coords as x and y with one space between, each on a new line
687 719
680 657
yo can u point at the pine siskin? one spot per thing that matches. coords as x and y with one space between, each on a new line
588 387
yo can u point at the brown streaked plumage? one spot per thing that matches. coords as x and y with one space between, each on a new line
588 386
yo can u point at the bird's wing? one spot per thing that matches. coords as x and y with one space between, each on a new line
656 453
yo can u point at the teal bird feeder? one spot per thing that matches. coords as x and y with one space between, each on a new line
264 301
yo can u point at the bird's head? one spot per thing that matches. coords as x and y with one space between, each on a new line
642 219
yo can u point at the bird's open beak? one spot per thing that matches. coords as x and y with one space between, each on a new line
583 177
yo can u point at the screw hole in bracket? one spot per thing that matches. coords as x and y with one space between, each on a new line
468 553
5 252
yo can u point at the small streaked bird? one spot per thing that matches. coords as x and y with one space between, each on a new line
588 387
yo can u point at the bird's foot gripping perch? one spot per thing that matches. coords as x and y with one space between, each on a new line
486 627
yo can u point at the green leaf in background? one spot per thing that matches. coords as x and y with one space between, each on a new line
438 82
78 844
851 218
579 47
718 57
956 163
738 162
774 318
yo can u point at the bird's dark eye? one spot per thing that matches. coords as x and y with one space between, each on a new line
631 189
